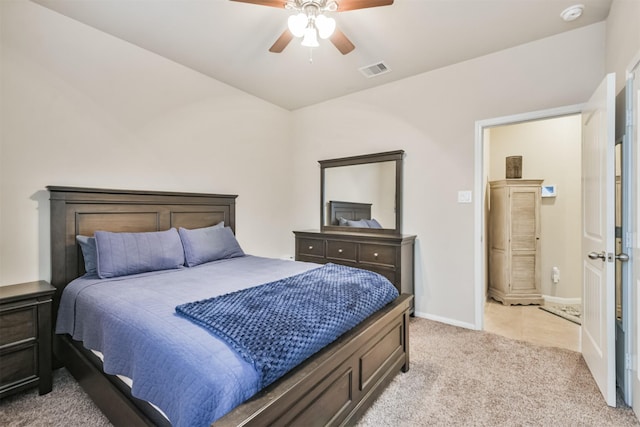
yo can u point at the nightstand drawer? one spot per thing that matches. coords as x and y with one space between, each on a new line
19 365
342 250
311 247
378 254
18 325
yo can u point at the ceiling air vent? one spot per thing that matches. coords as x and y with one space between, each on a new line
375 69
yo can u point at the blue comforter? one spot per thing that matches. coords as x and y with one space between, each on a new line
132 321
278 325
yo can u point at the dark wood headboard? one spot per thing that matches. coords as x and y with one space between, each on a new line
348 210
85 210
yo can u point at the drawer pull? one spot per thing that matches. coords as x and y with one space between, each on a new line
339 251
310 247
375 254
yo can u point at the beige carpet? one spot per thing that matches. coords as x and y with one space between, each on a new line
458 377
67 405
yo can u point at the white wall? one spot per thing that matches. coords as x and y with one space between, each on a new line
551 150
82 108
432 117
623 38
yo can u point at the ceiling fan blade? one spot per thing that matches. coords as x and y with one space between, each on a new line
341 41
344 5
272 3
282 42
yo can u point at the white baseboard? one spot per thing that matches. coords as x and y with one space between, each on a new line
559 300
445 320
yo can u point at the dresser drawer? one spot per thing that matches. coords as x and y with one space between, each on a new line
18 365
389 274
18 325
388 255
378 254
311 247
339 249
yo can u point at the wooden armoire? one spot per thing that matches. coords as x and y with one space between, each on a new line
514 241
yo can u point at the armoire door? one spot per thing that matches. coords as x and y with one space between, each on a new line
525 239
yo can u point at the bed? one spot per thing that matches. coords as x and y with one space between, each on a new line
333 387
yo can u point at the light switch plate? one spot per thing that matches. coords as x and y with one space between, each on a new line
464 196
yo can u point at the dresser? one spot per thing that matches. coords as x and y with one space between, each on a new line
390 255
25 337
514 241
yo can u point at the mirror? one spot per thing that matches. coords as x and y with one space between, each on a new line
362 193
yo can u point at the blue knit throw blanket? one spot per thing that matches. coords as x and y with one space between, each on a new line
277 325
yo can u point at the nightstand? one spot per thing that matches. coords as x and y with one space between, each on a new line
25 337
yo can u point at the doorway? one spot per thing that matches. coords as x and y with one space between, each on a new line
483 140
549 152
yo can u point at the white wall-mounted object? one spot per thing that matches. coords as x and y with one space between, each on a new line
464 196
548 190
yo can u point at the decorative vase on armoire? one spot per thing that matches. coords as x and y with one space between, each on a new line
514 241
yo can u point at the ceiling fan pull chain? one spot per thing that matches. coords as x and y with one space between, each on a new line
310 55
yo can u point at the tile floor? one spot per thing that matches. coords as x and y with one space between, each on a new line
529 323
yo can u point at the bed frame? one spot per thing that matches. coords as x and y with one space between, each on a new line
348 210
333 387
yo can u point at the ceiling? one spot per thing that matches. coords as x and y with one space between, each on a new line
229 41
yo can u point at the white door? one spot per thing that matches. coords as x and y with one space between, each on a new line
598 243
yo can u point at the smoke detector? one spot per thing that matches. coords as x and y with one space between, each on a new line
572 12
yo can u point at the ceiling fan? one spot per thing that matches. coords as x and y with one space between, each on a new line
310 21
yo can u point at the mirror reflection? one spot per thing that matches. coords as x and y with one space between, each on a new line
366 187
361 195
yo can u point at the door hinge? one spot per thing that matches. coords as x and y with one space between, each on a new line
627 362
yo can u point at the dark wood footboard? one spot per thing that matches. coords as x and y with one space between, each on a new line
338 384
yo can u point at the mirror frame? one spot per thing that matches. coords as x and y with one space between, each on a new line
395 156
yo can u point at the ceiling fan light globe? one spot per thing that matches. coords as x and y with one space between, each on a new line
331 6
310 37
326 26
297 24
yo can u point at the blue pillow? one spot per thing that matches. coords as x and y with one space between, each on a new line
360 223
88 247
372 223
209 244
342 221
122 254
